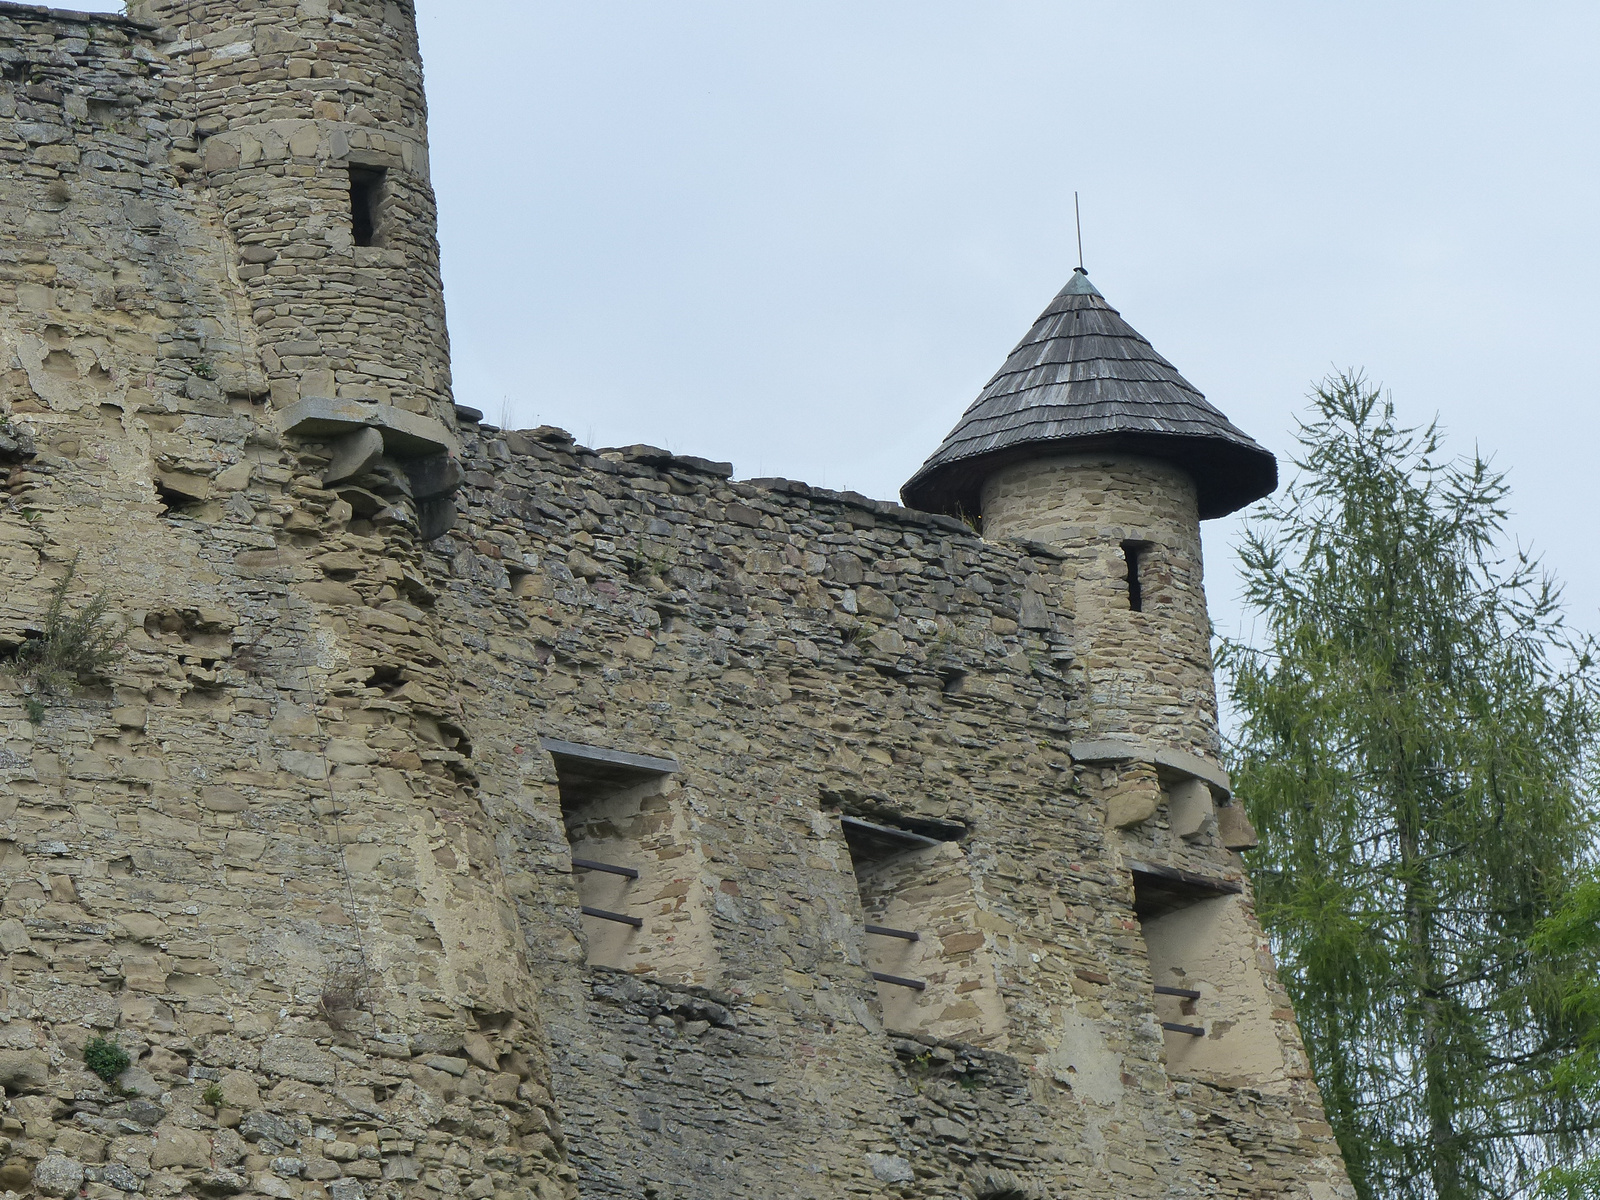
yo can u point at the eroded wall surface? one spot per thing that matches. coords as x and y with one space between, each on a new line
271 883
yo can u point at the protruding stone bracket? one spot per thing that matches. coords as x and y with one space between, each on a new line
405 434
1168 761
424 452
1200 792
353 454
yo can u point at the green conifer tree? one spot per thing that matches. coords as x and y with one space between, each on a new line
1415 730
1566 946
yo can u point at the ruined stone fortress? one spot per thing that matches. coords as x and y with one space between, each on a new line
472 813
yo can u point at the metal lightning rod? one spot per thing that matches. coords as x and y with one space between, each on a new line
1077 214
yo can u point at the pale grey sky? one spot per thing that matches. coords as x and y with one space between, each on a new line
801 236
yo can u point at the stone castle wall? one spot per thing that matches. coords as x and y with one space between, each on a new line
253 869
307 852
803 655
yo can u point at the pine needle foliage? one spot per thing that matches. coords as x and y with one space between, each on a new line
1567 945
76 646
1414 745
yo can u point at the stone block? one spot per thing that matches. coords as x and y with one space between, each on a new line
14 938
239 1090
889 642
121 1178
131 716
890 1168
433 475
259 1125
177 1147
24 1070
1032 612
221 1183
1234 829
58 1175
298 1058
1133 799
874 603
350 752
1189 809
353 454
235 477
451 1066
185 484
479 1050
137 1079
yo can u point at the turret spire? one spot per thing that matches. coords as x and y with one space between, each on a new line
1084 380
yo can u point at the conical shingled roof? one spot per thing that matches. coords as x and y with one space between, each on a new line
1084 380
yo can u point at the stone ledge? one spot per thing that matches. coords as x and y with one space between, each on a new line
654 456
405 433
1116 749
881 508
8 9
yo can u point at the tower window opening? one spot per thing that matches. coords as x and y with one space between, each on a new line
1211 998
1134 553
615 810
368 187
921 947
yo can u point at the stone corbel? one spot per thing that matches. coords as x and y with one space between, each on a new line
1200 792
1168 761
418 456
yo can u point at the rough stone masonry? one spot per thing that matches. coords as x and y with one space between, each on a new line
472 813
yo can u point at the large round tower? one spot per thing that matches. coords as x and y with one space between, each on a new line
312 132
1088 440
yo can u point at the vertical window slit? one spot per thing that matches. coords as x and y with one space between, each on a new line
1133 552
367 187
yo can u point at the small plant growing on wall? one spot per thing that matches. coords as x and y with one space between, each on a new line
75 647
105 1058
856 635
348 991
213 1095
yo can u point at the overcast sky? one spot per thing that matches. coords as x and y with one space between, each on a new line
801 236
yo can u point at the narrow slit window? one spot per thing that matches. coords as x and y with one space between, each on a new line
1134 552
367 189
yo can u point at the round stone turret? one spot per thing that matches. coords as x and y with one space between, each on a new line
312 131
1090 441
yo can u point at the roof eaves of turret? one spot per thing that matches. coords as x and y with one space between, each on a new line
1084 380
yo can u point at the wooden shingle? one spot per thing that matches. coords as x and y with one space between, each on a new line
1085 381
